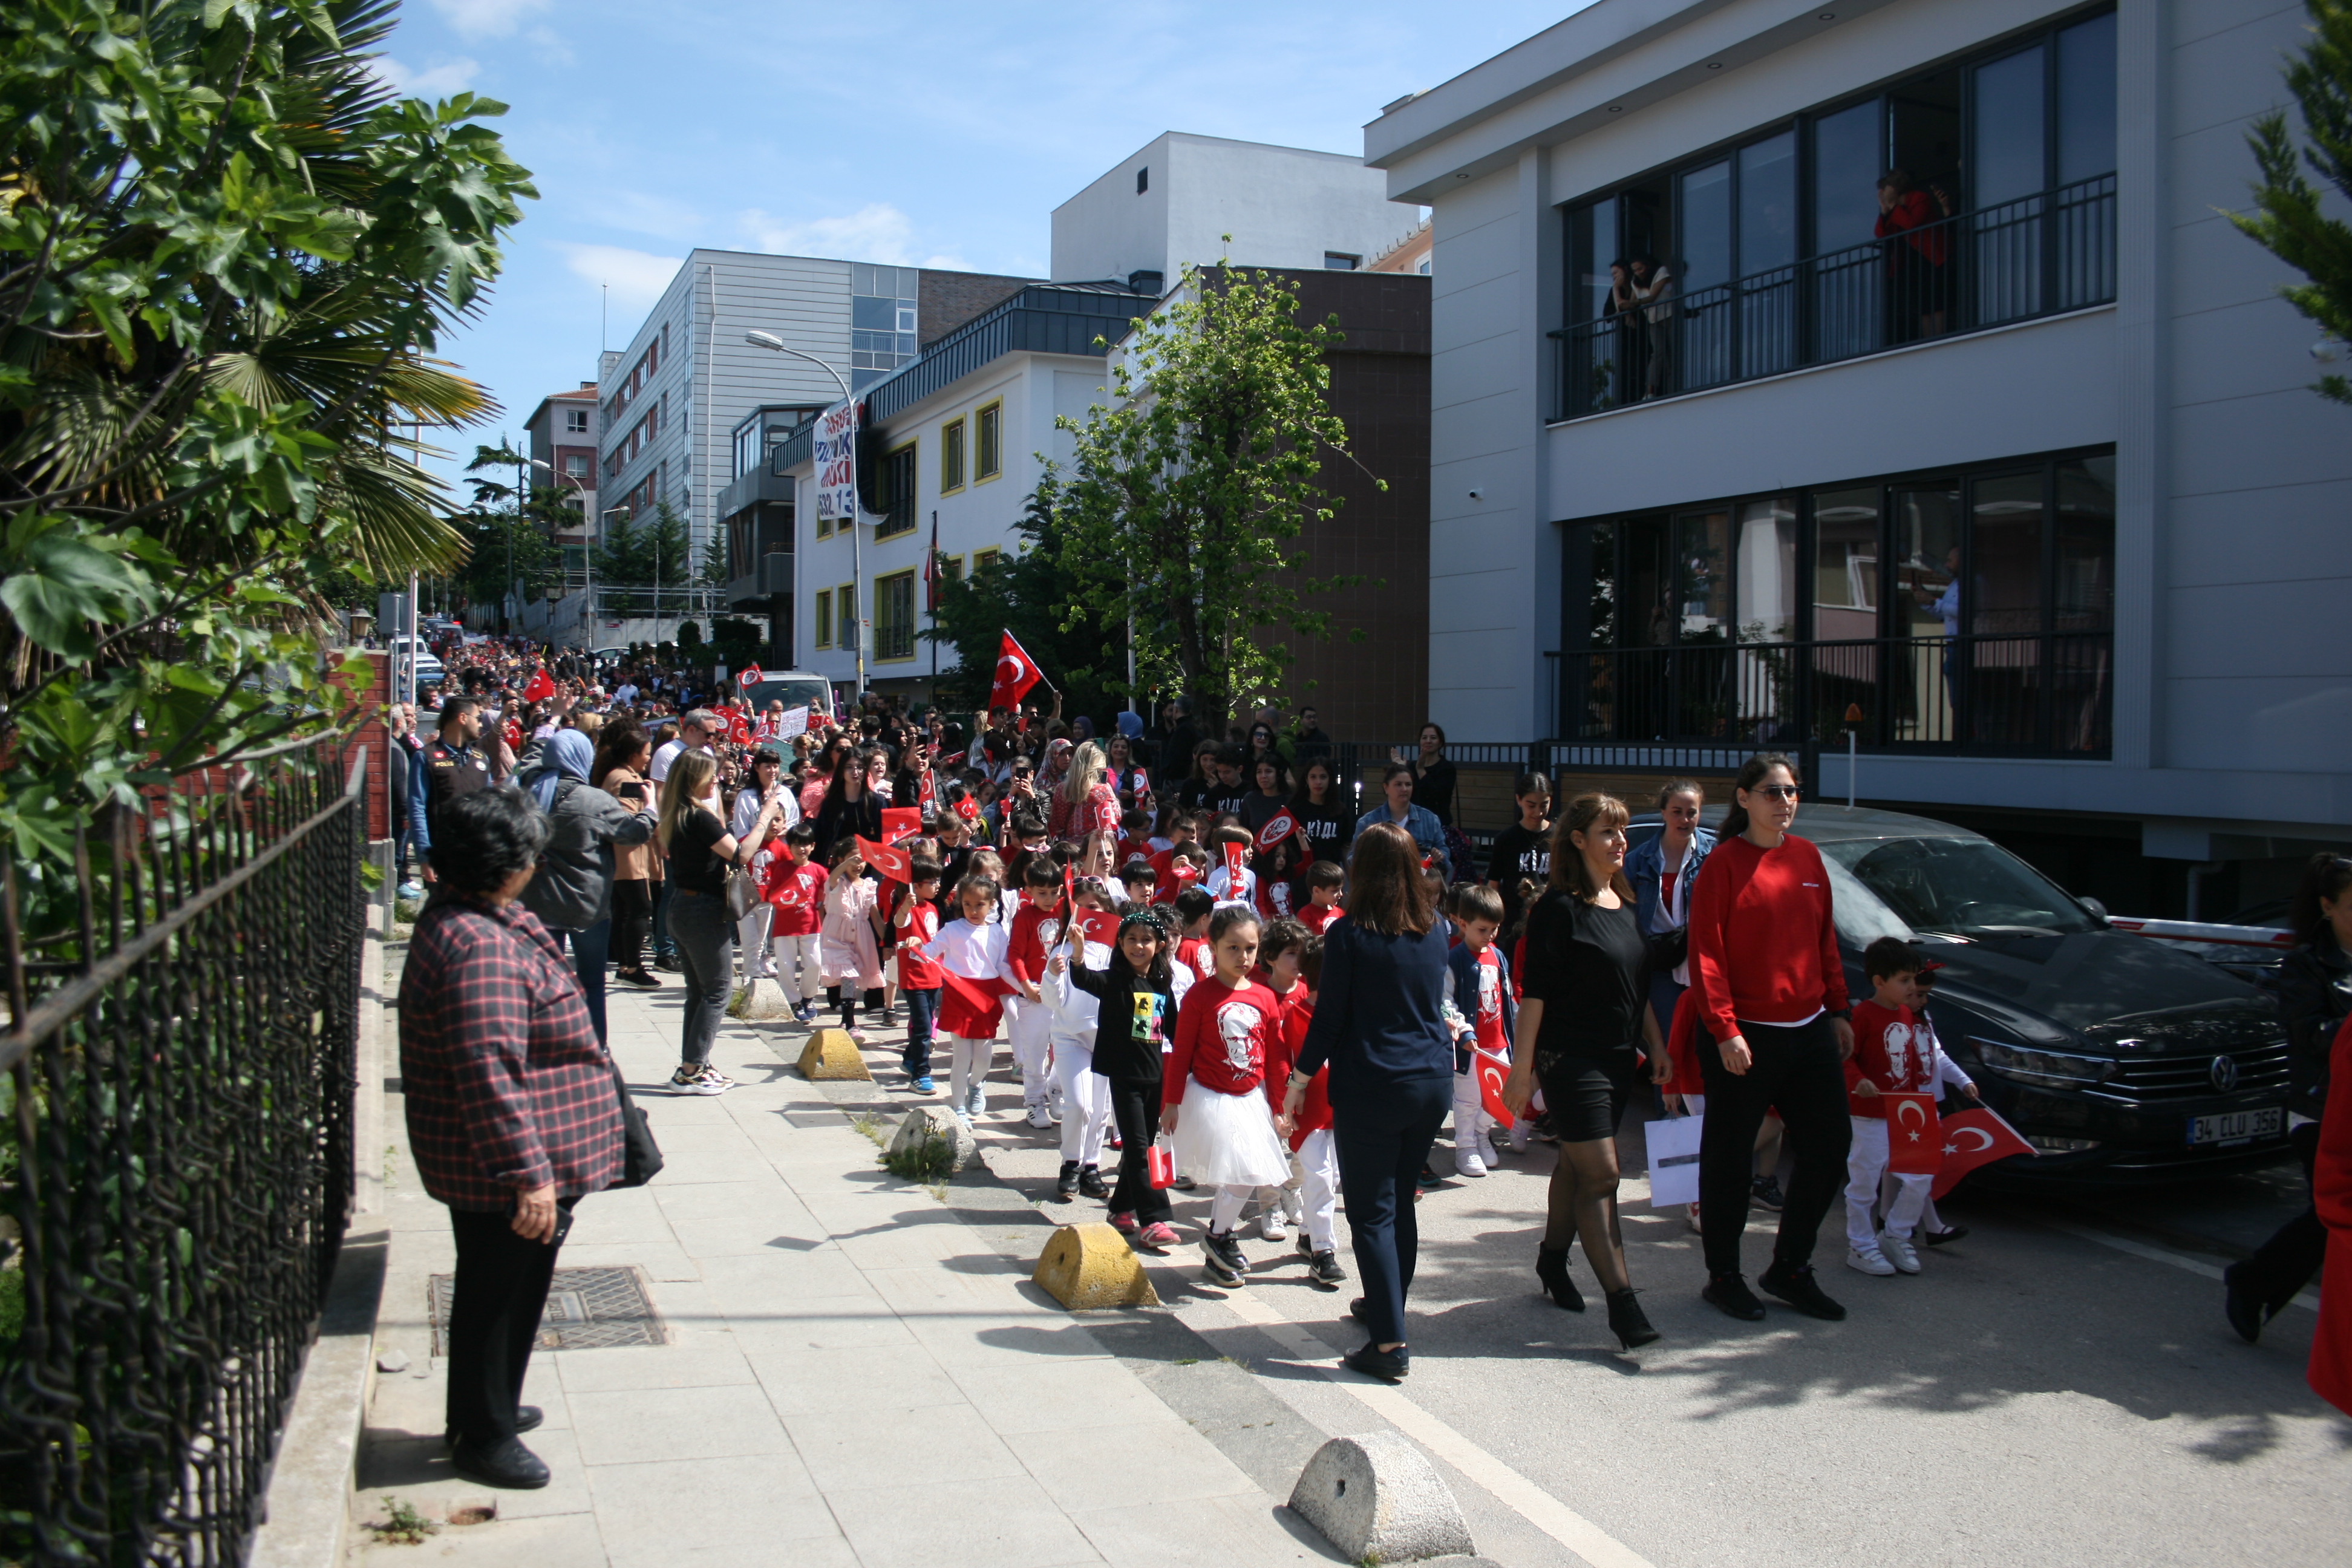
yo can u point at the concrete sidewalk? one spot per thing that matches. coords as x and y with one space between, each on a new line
852 1373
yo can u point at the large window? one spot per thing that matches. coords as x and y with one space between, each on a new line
825 617
1969 610
988 446
893 492
882 320
894 617
1970 195
951 456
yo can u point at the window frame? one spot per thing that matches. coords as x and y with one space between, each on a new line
990 417
951 443
890 582
903 460
821 632
846 595
981 558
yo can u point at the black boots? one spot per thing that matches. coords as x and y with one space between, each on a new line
1627 1321
1552 1267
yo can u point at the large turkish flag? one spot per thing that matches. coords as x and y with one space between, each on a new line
1016 672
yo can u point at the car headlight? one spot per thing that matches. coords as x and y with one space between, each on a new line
2051 1070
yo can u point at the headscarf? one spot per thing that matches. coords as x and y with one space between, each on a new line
1132 725
569 755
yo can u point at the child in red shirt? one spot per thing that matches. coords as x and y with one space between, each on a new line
1311 1195
1192 950
1210 1089
1892 1054
1029 1022
795 890
913 924
1324 879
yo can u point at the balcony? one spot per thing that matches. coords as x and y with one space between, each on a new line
2039 694
2038 256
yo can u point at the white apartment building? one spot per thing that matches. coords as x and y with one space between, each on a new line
2013 470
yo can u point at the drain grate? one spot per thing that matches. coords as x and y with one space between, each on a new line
587 1309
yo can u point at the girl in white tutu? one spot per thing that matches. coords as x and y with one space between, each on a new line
1212 1098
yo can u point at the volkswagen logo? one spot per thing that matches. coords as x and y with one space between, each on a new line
2224 1073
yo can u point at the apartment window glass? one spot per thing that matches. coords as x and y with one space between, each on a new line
825 617
2009 146
2086 99
845 616
2005 539
883 320
1765 572
951 568
1340 261
575 420
894 616
1706 227
1925 551
988 444
1142 179
2082 577
1592 246
952 455
576 466
1845 563
1767 204
893 492
1703 556
981 559
1849 155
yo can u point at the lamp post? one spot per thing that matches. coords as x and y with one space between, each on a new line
775 345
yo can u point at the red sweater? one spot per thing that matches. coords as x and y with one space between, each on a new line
1315 916
914 925
1024 948
1889 1051
1223 1038
1761 944
797 891
1314 1112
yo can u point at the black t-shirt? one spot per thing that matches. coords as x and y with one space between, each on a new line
1588 967
1193 795
1326 827
692 865
1259 809
1230 800
1519 853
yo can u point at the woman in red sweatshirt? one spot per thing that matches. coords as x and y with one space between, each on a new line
1774 1034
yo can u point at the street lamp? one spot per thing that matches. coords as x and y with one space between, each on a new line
775 345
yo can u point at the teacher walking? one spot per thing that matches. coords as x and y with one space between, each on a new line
1384 1027
1773 1031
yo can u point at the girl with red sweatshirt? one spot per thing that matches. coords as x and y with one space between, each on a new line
1772 1034
1211 1097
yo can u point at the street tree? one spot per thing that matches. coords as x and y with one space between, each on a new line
644 555
1182 507
1022 591
2289 219
230 252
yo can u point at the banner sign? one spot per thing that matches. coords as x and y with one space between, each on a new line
835 449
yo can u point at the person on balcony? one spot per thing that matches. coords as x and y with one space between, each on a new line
1911 221
1654 295
1628 345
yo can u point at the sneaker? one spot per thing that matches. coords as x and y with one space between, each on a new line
1124 1223
925 1086
803 1014
1765 1193
1870 1260
1304 1248
1065 1185
1040 1118
1486 1150
1729 1295
1092 1185
1389 1366
639 978
1797 1287
697 1080
1467 1161
412 891
858 1037
1520 1130
1897 1249
1054 1101
1157 1236
1323 1270
975 1103
1218 1264
1690 1219
1270 1226
667 963
1428 1181
1114 1142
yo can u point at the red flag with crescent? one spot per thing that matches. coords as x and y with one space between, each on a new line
538 688
1235 855
1016 672
749 677
740 731
1492 1070
1976 1136
1278 826
900 823
968 808
928 793
1098 925
1913 1145
893 863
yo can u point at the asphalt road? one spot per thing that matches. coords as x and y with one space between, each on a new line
2058 1388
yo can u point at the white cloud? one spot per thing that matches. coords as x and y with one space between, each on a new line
488 18
879 232
552 49
637 277
446 79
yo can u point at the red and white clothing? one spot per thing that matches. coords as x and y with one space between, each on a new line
1483 1013
1224 1131
973 953
1029 1027
1762 947
1229 889
794 892
1311 1195
1894 1050
913 926
1193 952
1315 917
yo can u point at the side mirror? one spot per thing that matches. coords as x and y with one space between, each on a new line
2093 908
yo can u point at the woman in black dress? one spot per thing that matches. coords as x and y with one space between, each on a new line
1582 1023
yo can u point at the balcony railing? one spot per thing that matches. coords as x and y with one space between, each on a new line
2044 694
2037 256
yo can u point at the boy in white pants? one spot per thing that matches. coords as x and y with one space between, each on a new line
1304 1120
1478 984
795 897
1892 1054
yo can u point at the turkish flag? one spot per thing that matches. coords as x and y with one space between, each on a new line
1913 1147
928 793
900 823
1976 1136
749 677
538 688
968 808
970 1009
1492 1070
1016 672
892 862
739 732
1279 826
1098 925
1235 855
1182 872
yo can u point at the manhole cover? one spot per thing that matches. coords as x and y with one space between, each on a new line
587 1309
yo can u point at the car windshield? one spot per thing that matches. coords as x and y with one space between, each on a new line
1959 887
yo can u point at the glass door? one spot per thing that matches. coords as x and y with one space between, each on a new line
2005 609
1849 154
1767 255
1925 553
2009 171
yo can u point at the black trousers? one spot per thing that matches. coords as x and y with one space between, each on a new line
1382 1144
632 917
1795 1072
499 1297
2291 1258
1135 1106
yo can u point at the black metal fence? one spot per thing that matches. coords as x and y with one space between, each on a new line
2037 256
176 1156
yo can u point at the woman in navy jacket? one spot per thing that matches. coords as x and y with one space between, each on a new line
1384 1025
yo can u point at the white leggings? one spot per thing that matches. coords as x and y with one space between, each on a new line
751 939
968 1063
1030 1026
1317 1161
1226 1208
803 950
1086 1100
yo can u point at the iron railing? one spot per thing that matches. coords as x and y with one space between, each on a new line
176 1157
2038 256
2044 694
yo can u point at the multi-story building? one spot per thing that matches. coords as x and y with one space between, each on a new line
1887 370
562 449
673 397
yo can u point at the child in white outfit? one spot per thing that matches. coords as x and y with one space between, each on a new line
972 948
1892 1054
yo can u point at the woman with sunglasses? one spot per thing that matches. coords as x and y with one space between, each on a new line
1774 1034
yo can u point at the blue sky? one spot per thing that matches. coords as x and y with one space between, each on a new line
875 130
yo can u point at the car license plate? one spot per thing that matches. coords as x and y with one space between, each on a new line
2237 1126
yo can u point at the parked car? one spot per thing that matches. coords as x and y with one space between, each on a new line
2124 1061
794 688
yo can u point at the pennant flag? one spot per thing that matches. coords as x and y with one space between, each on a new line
1913 1148
749 677
1235 855
1279 826
893 863
1016 672
1492 1070
1976 1136
540 687
900 823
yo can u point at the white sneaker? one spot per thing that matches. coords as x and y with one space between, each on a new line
1487 1147
1270 1226
1519 1136
1040 1118
1898 1251
1868 1261
975 1103
1468 1162
688 1081
1690 1218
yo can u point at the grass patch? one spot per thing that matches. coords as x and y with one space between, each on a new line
866 1122
402 1525
930 1160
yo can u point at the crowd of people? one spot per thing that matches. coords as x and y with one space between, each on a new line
1210 971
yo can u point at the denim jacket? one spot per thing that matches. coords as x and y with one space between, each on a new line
1419 821
1647 864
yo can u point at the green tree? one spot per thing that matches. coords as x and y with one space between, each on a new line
630 553
2288 220
1023 592
1185 497
229 255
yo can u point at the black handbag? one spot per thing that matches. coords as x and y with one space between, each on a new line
1668 949
641 1157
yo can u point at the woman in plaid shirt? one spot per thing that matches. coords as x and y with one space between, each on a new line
513 1113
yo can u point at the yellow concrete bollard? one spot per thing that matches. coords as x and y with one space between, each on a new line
1088 1266
831 1053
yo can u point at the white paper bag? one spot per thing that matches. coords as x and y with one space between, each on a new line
1674 1160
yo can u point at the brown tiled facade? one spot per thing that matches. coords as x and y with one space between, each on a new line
946 301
